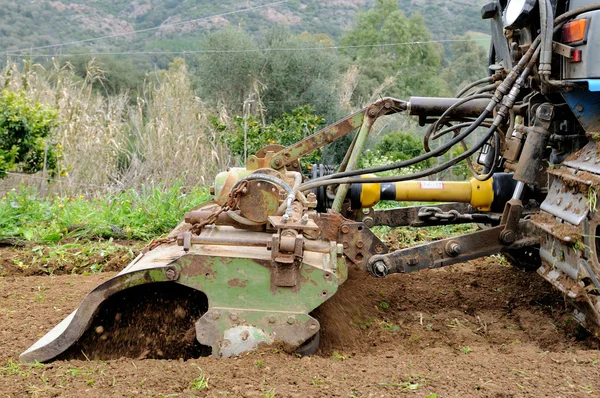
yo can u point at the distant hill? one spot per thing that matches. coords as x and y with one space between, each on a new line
36 23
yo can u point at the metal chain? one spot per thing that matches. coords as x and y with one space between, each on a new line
436 214
230 204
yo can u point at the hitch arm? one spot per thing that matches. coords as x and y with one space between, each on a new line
339 129
450 251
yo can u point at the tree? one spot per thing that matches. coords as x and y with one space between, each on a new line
229 69
382 49
467 62
24 131
307 76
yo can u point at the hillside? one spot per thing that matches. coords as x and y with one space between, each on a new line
46 22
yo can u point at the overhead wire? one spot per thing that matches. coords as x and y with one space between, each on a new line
253 50
248 9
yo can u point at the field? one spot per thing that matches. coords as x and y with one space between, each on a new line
483 329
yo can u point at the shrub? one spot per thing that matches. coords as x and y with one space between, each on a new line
286 130
25 128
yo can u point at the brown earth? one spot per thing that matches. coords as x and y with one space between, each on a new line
481 329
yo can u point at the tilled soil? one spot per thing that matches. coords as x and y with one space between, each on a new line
482 329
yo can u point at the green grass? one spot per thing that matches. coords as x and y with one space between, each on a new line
139 214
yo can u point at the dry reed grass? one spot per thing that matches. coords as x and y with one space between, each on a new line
109 144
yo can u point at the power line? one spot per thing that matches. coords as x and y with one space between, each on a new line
254 50
147 29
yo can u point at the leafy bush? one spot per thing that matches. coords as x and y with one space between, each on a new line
24 131
394 147
286 130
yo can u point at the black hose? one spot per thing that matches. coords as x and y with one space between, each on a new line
440 150
474 84
434 170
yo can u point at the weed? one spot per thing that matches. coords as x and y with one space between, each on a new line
432 395
389 327
339 357
317 381
466 350
139 214
199 383
11 369
413 382
259 363
384 306
90 382
268 394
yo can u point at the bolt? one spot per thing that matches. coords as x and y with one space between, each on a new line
277 161
346 245
507 237
271 319
312 326
372 112
171 274
453 248
285 218
579 108
291 320
345 229
360 244
368 221
216 315
233 316
379 248
379 269
412 261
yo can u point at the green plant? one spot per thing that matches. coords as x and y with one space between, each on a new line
466 350
248 135
259 363
143 213
200 383
25 128
339 357
389 327
268 394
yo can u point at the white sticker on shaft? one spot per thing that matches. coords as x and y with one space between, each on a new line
432 185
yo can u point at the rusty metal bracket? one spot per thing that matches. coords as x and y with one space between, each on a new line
287 248
510 220
292 153
360 243
451 251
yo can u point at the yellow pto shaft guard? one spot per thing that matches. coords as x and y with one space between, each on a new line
482 195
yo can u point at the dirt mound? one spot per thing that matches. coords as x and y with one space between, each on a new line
485 301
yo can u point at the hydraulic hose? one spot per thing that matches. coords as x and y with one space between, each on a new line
472 85
421 174
405 163
517 75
